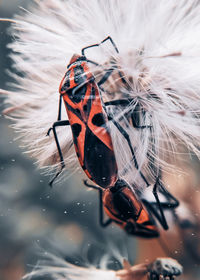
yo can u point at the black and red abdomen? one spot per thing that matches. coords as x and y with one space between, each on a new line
123 207
88 122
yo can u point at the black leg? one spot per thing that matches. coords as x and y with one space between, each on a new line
127 137
90 186
109 71
161 218
97 45
136 117
59 108
101 211
127 102
152 209
118 102
106 76
56 124
172 201
156 208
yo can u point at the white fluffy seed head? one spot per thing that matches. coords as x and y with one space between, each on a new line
159 58
56 268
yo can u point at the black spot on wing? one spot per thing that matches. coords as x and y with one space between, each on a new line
76 129
98 119
78 94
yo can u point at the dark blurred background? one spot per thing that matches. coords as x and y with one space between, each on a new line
34 218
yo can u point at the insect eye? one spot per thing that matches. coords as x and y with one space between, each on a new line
98 119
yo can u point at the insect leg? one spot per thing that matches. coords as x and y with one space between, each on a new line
59 108
172 201
135 117
118 102
90 186
106 76
112 42
101 211
127 137
56 124
160 217
127 102
161 205
97 45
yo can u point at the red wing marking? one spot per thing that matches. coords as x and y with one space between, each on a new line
101 132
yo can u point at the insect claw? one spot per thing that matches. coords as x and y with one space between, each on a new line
48 132
57 174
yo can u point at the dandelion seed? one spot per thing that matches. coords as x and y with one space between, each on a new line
56 268
158 55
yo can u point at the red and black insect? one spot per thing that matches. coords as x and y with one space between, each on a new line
88 119
127 211
122 207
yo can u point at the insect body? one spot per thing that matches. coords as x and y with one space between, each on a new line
93 144
88 121
122 207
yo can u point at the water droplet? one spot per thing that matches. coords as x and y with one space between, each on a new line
65 212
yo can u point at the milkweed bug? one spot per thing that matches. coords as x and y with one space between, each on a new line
88 119
127 211
122 207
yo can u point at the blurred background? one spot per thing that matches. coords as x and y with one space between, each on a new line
35 219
